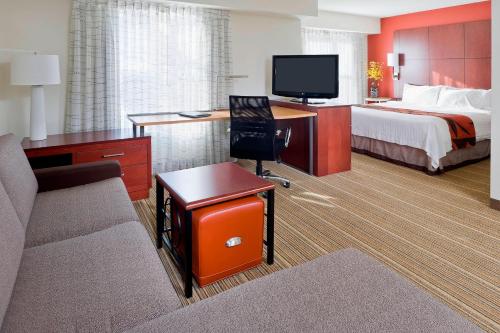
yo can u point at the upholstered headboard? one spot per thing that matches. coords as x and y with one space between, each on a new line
456 55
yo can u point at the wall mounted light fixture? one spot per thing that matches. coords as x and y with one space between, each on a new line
393 61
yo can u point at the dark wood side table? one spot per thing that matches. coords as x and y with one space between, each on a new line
201 187
133 153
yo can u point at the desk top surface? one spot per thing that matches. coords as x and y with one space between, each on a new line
279 113
211 184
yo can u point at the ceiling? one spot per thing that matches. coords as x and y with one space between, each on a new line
385 8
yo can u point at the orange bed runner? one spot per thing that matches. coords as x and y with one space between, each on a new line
462 130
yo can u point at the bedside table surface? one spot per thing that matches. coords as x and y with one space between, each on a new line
378 99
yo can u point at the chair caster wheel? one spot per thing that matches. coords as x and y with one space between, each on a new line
286 184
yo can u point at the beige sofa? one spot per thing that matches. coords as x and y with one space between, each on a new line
76 259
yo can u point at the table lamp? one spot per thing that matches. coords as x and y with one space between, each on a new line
36 71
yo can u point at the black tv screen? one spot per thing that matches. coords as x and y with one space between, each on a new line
306 76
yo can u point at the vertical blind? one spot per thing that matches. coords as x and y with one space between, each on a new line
148 57
352 49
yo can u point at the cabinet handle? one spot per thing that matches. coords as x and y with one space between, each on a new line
123 174
235 241
113 155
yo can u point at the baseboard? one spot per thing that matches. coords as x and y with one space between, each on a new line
495 204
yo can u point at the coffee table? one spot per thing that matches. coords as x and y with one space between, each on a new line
204 186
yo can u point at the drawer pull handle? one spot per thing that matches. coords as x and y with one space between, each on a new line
232 242
113 155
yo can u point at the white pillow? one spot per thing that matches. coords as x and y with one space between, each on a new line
454 98
480 98
422 95
460 98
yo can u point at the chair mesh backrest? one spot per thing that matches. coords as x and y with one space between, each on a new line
253 129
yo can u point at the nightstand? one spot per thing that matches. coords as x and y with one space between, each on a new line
369 100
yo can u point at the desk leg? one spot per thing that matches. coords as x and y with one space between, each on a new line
270 227
188 255
134 130
141 128
160 215
311 145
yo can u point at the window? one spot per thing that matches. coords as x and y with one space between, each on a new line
352 50
148 57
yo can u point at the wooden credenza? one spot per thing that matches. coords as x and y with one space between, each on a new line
133 153
332 138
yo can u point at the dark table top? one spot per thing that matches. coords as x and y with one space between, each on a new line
70 139
211 184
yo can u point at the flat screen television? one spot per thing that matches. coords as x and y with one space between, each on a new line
306 76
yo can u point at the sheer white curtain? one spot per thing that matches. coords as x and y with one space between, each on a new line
148 57
352 49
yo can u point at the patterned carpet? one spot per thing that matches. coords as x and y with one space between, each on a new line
436 231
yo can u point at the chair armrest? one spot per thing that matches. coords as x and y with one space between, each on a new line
56 178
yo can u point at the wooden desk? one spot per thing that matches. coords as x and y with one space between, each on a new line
142 120
331 137
133 153
212 184
280 114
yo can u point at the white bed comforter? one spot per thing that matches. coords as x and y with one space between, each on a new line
428 133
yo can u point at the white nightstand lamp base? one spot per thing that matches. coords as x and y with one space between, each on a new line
38 124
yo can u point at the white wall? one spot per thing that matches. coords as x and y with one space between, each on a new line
495 117
32 25
344 22
14 101
256 38
288 7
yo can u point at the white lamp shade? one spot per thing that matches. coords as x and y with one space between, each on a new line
392 59
35 70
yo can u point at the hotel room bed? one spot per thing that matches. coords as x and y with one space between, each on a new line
419 141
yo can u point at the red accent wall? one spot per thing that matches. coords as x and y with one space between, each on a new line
381 44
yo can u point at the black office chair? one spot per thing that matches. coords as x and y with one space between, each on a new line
254 135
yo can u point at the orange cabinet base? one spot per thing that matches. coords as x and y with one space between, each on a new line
227 238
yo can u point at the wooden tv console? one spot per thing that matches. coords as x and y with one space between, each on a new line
332 138
133 153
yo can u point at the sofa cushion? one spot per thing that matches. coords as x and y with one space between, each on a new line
17 177
77 211
11 249
342 292
104 282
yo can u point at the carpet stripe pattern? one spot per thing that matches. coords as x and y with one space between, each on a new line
437 231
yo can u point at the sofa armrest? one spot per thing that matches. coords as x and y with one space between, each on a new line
56 178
